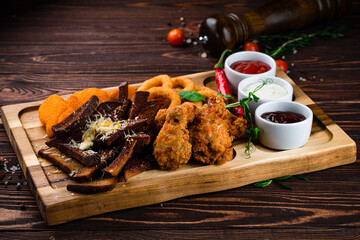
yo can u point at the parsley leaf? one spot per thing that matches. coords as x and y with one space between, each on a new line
192 96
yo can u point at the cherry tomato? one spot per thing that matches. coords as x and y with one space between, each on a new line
251 46
282 65
176 37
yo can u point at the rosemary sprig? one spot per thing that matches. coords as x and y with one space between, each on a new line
253 131
278 182
293 40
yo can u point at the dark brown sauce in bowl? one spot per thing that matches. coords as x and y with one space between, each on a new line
283 117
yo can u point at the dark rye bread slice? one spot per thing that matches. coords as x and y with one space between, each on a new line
138 103
116 166
123 91
114 110
118 137
122 111
68 165
149 112
95 186
107 156
76 120
77 171
107 108
54 142
86 157
141 139
138 164
134 144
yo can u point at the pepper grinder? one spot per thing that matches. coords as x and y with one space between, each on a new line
220 32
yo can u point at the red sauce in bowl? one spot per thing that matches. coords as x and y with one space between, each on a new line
250 67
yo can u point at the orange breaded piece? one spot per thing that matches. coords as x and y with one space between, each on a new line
114 94
87 93
73 102
131 92
66 113
49 131
50 111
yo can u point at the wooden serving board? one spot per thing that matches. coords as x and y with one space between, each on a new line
328 146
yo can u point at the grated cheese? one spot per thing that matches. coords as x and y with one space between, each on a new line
103 126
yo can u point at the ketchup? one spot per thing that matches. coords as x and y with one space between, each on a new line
283 117
250 67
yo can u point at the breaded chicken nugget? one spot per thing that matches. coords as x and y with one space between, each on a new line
73 102
50 111
87 93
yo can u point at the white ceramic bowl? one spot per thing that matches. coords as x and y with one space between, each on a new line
234 77
271 80
286 135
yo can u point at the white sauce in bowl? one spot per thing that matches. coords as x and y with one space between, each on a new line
268 91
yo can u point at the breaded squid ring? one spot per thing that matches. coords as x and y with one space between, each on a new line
167 93
206 92
185 83
161 80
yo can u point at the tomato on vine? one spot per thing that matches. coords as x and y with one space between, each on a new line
282 65
251 46
176 37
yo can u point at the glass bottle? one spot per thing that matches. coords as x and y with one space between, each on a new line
220 32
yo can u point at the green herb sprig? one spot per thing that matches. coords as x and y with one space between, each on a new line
253 132
226 97
192 96
293 40
278 182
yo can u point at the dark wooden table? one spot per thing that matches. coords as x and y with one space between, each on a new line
58 47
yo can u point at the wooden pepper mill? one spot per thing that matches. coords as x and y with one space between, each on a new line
220 32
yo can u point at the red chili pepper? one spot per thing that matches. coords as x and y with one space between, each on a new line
239 111
222 84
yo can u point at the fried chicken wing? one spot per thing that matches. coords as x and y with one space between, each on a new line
210 137
204 133
172 147
236 125
213 131
159 120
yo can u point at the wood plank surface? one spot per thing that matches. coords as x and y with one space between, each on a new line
32 68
